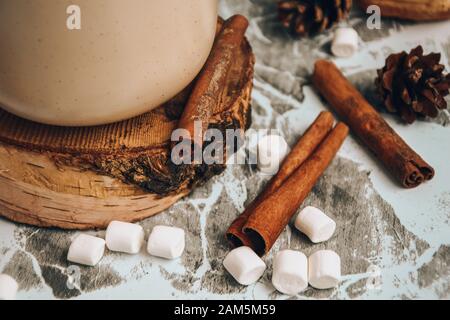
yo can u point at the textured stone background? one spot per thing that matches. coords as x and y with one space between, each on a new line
394 243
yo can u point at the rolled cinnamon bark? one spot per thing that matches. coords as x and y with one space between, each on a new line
210 84
403 162
270 217
310 140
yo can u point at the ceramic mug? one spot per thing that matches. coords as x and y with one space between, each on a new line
90 62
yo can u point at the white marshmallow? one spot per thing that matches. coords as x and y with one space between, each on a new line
290 272
244 265
324 269
166 242
345 42
271 151
124 237
86 249
8 287
315 224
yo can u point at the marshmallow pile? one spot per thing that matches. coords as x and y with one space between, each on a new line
292 270
165 242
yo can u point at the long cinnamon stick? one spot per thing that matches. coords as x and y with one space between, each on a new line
271 216
210 84
402 161
310 140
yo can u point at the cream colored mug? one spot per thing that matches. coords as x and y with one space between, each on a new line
91 62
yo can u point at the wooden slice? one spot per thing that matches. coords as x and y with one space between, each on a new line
82 178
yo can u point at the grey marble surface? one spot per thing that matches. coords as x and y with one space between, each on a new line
394 243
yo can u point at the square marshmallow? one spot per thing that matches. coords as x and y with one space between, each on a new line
86 249
244 265
8 287
166 242
124 237
290 272
315 224
324 269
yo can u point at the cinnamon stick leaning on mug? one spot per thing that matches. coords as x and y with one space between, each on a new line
402 161
270 217
310 140
210 83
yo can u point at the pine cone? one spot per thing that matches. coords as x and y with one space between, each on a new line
413 85
307 17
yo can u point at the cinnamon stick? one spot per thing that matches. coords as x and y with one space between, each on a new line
211 81
270 217
402 161
313 136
